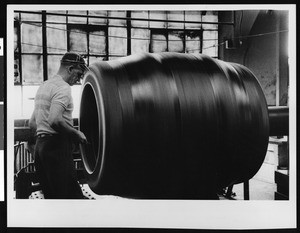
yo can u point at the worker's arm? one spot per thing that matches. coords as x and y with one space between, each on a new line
57 122
33 127
32 123
31 140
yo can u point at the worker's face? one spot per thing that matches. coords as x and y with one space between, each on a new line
76 73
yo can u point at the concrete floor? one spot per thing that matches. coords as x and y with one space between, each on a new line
259 190
87 192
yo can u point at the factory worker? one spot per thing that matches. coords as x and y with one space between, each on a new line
52 123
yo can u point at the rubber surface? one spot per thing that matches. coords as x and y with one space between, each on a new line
171 126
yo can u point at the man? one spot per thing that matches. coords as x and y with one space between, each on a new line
52 123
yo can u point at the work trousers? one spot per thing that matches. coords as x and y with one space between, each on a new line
55 168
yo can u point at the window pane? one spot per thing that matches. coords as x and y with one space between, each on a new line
140 15
117 22
210 43
78 41
32 69
158 43
117 41
56 18
193 42
158 15
56 38
98 20
140 40
178 16
31 38
176 42
53 65
210 16
98 42
77 19
194 16
31 17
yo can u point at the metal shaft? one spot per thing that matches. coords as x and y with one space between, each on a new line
279 120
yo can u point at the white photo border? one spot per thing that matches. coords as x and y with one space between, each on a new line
151 213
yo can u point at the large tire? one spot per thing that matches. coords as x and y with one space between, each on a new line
171 126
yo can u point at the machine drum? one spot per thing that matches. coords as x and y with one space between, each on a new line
171 126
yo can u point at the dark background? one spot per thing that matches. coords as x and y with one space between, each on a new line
1 79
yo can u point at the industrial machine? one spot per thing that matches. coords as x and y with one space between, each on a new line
173 126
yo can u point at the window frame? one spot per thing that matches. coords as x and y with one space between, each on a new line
89 28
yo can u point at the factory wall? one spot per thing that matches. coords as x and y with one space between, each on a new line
259 41
250 42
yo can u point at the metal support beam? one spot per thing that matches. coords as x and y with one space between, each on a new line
246 190
126 18
44 41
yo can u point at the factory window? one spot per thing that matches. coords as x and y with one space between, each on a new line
193 16
98 17
176 16
28 48
113 21
176 41
158 42
117 42
180 41
77 19
144 15
51 17
209 43
78 39
88 40
34 68
140 40
193 42
97 42
41 38
29 56
56 38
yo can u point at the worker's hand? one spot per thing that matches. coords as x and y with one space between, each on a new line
81 137
29 146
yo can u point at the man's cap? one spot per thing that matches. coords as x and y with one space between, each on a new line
74 58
